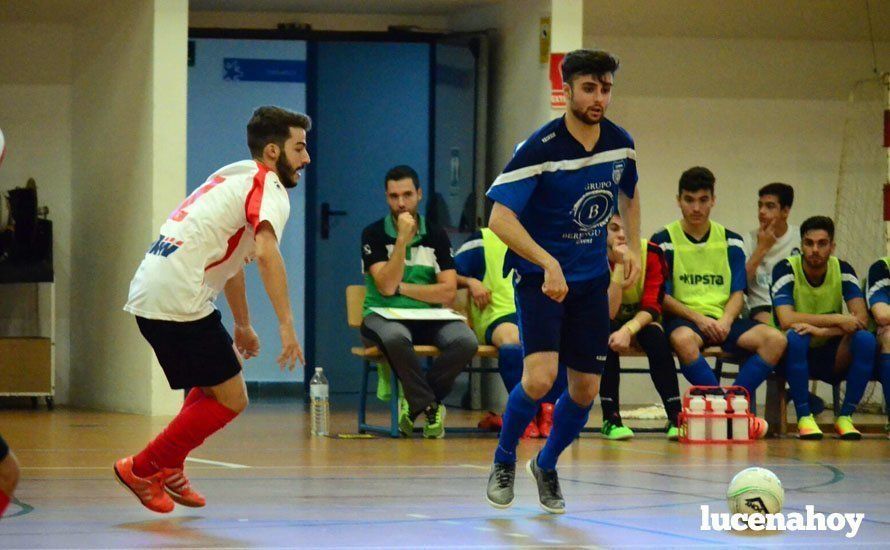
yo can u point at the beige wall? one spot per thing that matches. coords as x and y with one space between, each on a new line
754 111
128 167
35 116
519 94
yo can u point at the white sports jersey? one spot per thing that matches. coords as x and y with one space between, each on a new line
206 241
787 245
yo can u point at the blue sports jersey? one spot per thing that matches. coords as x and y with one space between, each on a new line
564 195
878 286
470 257
782 288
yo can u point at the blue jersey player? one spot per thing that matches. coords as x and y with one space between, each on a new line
553 202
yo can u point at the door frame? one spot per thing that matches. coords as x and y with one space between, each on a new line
479 44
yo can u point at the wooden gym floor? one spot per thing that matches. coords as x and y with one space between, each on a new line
269 485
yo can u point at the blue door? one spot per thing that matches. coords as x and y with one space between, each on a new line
221 97
372 113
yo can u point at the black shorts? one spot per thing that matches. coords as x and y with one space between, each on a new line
192 353
489 332
577 328
4 448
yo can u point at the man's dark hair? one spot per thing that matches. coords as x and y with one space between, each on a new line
587 62
697 178
401 172
783 191
817 222
270 124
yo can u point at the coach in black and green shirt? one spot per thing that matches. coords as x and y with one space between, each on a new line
408 264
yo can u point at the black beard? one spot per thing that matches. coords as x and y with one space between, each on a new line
582 116
285 173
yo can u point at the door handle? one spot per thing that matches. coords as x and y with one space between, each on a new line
326 214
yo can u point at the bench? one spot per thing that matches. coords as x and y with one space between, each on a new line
370 356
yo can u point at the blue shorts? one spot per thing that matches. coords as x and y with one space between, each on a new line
730 345
489 332
577 328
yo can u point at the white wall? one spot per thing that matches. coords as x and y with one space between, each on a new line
128 172
35 116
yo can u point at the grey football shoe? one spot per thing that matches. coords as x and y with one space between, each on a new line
500 484
549 493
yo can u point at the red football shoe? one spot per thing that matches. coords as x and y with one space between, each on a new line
149 491
531 431
545 419
180 490
491 422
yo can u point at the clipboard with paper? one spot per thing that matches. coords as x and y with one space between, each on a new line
417 314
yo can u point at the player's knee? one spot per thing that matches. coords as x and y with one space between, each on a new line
537 384
774 345
505 334
685 345
466 344
396 340
584 395
235 402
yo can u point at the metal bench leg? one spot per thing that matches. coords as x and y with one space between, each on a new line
718 370
836 398
363 397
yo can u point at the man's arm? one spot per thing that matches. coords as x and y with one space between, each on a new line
788 316
441 292
387 275
246 341
506 225
878 292
236 296
469 260
857 309
616 291
881 312
272 272
765 239
676 308
629 209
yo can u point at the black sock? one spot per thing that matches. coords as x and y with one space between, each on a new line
661 368
609 383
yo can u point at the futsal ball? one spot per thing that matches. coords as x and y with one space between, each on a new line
755 490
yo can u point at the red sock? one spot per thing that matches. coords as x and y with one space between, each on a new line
195 395
187 431
4 502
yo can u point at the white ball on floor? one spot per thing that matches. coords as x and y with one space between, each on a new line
755 490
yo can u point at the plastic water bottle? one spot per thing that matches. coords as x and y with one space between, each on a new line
319 406
696 424
719 423
739 423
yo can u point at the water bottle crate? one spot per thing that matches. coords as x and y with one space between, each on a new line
700 426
